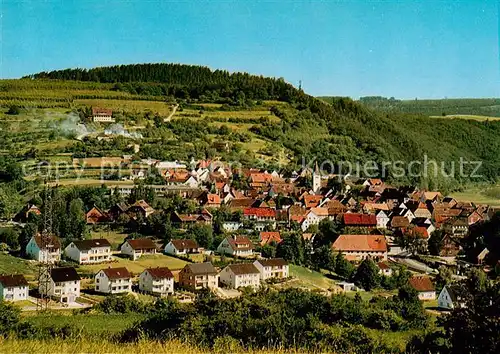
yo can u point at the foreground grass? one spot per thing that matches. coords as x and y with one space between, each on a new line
92 324
311 279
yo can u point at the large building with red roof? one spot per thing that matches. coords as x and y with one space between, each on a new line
359 247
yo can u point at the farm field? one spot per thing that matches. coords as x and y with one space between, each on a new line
134 106
467 116
114 237
480 195
139 265
310 279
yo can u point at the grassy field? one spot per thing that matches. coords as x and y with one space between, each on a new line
468 116
14 265
138 266
310 279
114 237
480 195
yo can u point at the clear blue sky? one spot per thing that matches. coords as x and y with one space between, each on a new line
404 49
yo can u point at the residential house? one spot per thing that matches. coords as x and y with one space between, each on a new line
262 217
274 268
268 237
231 225
157 281
63 284
186 220
102 115
237 246
450 247
89 251
384 269
116 210
456 227
47 249
13 288
399 222
140 208
451 297
182 247
423 285
24 214
313 217
312 200
113 281
138 247
210 200
240 203
196 276
382 219
359 247
359 220
96 216
240 275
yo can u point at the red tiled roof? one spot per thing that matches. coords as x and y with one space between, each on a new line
160 273
181 245
213 199
269 236
12 281
241 243
400 221
101 111
374 243
311 201
360 219
421 283
262 212
117 273
141 244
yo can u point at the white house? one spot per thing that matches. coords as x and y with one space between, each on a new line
89 251
384 269
102 115
231 225
240 275
62 284
313 217
451 297
239 246
276 268
113 281
50 252
13 288
382 219
424 286
181 247
138 247
157 281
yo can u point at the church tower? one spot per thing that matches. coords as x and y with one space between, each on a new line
316 185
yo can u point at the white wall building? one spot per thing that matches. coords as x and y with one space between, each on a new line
240 275
182 247
157 281
50 252
239 246
13 288
138 247
113 281
451 297
89 251
276 268
62 284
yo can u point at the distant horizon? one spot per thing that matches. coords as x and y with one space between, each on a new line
346 48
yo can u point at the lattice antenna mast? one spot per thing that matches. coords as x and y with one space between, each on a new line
46 248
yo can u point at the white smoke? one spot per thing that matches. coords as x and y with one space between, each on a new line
118 129
69 124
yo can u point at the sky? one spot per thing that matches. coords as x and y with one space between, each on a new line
403 49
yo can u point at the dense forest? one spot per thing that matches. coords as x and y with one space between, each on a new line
338 130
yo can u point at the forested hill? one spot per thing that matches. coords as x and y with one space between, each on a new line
182 81
338 130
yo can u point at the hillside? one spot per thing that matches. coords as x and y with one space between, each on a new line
468 108
261 119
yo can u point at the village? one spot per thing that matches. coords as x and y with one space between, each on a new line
258 211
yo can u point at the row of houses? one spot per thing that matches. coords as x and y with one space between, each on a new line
64 284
